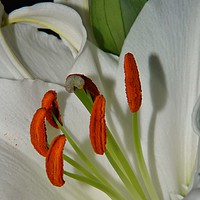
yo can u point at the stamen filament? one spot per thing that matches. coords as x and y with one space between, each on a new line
85 99
113 195
79 167
140 160
113 147
84 158
132 190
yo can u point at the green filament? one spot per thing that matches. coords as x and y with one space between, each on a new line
112 144
95 184
117 160
85 159
78 167
140 160
114 148
132 190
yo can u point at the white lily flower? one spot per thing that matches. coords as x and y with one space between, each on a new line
169 77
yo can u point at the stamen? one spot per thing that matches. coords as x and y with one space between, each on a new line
72 82
54 161
49 102
98 125
132 83
38 132
79 81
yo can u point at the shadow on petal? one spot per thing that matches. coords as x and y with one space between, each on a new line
159 94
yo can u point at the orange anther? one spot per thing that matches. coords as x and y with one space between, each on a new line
54 161
38 132
132 83
98 125
49 102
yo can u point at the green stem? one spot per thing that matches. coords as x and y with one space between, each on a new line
122 176
112 146
79 167
95 184
140 160
84 158
83 97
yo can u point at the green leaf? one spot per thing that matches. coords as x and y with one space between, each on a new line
111 21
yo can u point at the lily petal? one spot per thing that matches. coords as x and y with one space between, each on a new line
194 195
41 14
19 97
164 43
82 7
99 66
22 178
43 56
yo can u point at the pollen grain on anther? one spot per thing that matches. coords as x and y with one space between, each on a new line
38 132
98 125
54 161
50 102
132 83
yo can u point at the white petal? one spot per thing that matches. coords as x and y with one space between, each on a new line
30 53
20 163
43 56
196 118
21 178
61 19
193 195
101 67
164 40
82 7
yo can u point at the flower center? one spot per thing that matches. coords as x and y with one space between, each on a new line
137 186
